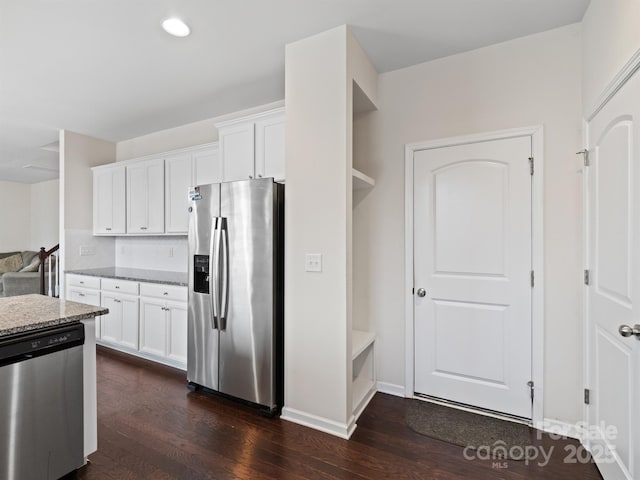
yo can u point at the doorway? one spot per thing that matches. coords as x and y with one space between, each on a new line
474 271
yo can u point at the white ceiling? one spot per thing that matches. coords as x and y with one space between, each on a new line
105 68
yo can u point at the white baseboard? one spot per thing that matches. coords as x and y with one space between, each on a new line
391 389
319 423
563 429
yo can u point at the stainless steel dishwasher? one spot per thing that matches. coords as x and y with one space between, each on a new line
41 403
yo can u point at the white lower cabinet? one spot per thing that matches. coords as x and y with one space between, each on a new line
120 325
153 327
177 343
86 290
144 319
163 329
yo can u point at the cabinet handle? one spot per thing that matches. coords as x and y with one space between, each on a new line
81 283
166 293
143 228
250 176
116 300
117 286
259 175
108 229
81 294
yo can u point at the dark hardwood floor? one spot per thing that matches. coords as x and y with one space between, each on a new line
151 426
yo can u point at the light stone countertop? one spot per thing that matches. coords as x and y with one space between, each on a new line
32 312
136 275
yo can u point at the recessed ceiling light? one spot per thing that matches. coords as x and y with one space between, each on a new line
176 27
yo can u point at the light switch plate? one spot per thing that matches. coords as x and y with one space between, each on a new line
313 262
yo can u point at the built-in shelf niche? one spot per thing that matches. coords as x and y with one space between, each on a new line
363 381
361 181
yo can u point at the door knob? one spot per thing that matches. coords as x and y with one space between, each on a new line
421 292
627 331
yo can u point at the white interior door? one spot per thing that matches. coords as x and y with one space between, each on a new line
613 226
472 258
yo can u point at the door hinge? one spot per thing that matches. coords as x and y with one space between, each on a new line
531 165
585 155
530 385
533 279
587 277
587 395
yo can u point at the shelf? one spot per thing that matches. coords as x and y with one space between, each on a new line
363 390
360 341
361 181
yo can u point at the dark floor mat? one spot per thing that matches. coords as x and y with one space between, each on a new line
499 438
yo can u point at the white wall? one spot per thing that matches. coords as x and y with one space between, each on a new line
611 37
319 94
187 135
45 214
15 209
29 215
316 303
78 153
529 81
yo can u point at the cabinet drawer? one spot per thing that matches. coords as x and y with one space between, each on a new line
120 286
81 295
168 292
83 281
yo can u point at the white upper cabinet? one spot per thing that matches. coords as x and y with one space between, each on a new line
178 179
237 151
253 146
109 201
150 196
207 165
145 197
269 147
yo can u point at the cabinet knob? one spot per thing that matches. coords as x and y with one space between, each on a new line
250 176
259 175
118 286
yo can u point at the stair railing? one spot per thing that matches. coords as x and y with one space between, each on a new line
46 257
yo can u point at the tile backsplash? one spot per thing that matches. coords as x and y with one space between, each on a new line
152 253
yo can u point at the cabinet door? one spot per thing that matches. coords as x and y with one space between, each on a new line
177 319
145 197
270 147
109 201
237 151
129 322
208 166
153 327
111 323
89 297
178 178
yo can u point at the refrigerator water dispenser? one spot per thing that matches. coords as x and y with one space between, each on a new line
201 273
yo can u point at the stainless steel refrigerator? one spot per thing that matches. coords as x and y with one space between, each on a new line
236 290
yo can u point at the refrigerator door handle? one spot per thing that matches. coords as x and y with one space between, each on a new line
224 295
214 272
